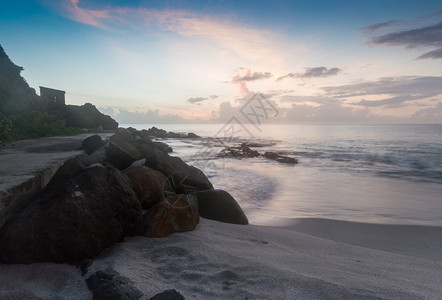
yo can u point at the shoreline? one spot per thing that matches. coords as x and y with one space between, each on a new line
219 260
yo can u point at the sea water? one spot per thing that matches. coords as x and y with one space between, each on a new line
368 173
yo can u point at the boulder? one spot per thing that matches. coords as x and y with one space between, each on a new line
70 221
92 143
177 213
150 186
70 168
184 178
110 285
123 135
280 158
220 206
121 154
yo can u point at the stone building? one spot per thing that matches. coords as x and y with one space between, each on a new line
55 96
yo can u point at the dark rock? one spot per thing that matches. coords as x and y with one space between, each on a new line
162 146
99 155
192 135
123 135
280 158
109 284
177 213
183 177
70 168
243 151
220 206
92 143
150 186
168 295
155 132
121 154
70 221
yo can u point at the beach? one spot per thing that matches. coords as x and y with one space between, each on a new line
309 259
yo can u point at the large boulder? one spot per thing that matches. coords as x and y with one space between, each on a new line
72 220
92 143
177 213
150 186
183 177
121 154
220 206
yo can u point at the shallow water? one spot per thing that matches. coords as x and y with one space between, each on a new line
380 174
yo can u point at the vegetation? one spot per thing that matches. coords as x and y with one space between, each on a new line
24 114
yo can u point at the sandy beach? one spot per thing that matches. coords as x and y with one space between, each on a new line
308 259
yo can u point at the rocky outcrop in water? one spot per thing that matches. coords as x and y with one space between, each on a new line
244 151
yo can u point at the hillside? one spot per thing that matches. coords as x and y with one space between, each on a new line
24 114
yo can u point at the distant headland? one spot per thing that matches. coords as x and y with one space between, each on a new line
24 114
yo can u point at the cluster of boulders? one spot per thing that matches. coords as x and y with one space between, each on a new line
128 185
244 151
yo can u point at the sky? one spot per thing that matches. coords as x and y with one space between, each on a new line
326 62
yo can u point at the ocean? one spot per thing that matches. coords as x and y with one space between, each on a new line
389 174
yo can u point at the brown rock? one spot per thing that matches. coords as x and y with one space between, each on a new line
176 214
150 186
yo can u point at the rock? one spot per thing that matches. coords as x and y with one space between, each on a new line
168 295
99 155
220 206
243 151
71 168
70 221
92 143
177 213
155 132
123 135
184 178
150 186
109 284
192 135
280 158
121 154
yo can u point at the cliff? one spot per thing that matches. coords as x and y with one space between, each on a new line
24 114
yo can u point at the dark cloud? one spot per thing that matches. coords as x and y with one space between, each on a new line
401 89
253 76
313 72
196 100
213 96
435 54
419 34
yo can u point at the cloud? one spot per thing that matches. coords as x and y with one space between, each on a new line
411 34
253 76
313 72
400 90
196 100
435 54
124 116
250 43
213 96
429 115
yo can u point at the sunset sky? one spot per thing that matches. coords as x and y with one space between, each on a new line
199 61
